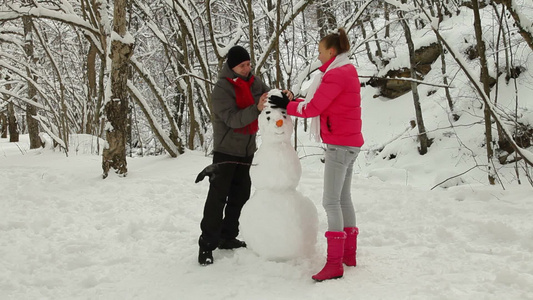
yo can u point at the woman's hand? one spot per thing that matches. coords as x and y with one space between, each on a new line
279 102
289 94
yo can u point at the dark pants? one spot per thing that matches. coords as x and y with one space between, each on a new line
228 192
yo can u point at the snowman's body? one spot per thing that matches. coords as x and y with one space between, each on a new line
278 222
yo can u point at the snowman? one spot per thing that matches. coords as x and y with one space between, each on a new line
278 222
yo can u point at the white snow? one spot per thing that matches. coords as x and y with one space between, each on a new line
67 234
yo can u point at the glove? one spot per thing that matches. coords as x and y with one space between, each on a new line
279 102
209 171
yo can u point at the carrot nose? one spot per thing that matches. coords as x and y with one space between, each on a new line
279 123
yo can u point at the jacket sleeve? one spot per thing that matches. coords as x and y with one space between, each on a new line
225 107
327 91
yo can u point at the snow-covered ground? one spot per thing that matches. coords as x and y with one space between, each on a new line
67 234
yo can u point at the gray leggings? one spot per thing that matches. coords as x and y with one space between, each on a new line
337 198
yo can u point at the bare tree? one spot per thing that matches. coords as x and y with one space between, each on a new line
3 125
12 123
486 87
31 110
422 135
116 107
440 8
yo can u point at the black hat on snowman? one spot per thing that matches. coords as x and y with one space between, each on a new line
237 55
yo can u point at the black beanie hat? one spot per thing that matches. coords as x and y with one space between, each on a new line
237 55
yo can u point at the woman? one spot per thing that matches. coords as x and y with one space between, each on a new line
334 102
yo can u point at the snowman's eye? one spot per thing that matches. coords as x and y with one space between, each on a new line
268 118
268 112
284 117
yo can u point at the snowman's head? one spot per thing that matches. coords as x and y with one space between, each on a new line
274 123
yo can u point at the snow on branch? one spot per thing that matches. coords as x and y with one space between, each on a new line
524 24
360 11
401 6
287 20
23 75
16 11
22 98
155 29
158 130
50 132
127 39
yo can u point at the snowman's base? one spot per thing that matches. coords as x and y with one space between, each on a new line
279 225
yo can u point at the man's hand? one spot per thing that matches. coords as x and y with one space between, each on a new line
262 102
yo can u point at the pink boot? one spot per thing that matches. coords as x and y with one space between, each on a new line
333 268
350 246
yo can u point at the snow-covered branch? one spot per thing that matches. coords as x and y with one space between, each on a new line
158 130
16 11
524 24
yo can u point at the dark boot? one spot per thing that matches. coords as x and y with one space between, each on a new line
205 257
350 246
333 268
231 244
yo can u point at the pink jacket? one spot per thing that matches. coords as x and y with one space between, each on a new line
338 102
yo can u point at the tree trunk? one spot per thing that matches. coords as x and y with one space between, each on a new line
486 88
251 19
92 91
422 136
270 25
13 124
325 18
379 52
31 111
387 18
443 68
116 108
367 46
502 141
276 52
3 119
445 81
194 128
3 125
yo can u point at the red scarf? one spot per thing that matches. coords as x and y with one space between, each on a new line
244 98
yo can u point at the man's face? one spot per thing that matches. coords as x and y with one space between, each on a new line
243 68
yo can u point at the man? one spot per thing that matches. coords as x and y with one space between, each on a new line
237 99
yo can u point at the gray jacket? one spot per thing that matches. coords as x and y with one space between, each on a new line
227 116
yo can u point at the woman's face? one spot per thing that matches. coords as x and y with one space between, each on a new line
324 55
243 68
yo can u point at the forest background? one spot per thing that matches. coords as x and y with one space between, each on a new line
137 75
